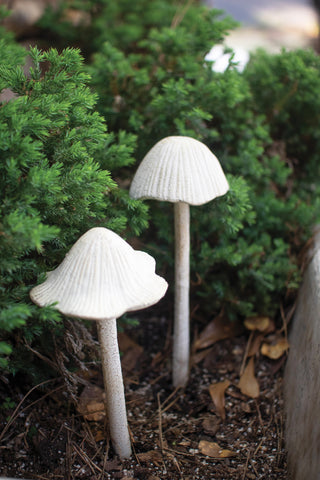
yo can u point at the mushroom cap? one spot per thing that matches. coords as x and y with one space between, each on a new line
101 277
179 169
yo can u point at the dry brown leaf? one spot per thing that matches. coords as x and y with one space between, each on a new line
91 404
153 456
130 350
125 342
99 436
218 329
262 324
211 425
248 383
275 350
217 393
255 344
185 443
201 355
213 450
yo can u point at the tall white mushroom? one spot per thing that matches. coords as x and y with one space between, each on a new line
184 171
101 278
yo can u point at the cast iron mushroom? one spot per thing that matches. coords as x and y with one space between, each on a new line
184 171
101 278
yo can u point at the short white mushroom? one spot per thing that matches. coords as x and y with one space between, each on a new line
101 278
184 171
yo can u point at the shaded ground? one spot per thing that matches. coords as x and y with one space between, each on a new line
45 436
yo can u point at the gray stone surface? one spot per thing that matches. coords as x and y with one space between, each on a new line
302 378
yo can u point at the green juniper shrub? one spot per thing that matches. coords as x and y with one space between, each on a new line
285 89
90 23
152 81
146 62
246 244
55 184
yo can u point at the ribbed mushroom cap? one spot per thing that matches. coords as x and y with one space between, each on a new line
101 277
179 169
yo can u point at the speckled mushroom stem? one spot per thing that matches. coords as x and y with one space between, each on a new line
181 330
113 384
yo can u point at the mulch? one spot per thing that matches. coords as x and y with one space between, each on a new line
176 433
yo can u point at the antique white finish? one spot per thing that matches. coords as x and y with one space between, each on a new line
184 171
181 334
101 278
179 169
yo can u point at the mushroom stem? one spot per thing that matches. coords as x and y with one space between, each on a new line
113 384
181 331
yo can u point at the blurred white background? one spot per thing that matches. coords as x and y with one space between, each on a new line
271 24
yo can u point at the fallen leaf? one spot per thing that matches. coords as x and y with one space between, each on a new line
130 350
218 329
213 450
245 407
110 465
275 350
125 342
185 443
91 404
199 356
255 344
153 456
248 383
217 393
211 425
100 435
262 324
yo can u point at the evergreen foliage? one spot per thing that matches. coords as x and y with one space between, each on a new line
285 89
145 61
246 244
152 80
55 183
91 23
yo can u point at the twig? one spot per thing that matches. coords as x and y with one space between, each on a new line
93 467
42 357
41 477
101 476
170 404
245 356
255 470
280 433
160 423
246 466
284 323
259 414
179 17
16 411
168 399
68 454
160 431
156 380
176 452
258 448
286 319
134 451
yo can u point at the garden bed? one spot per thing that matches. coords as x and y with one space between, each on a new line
171 429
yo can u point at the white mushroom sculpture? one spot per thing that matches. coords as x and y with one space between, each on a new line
184 171
101 278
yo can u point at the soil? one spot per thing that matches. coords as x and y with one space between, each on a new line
176 433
